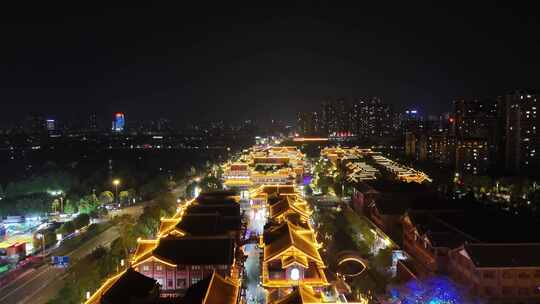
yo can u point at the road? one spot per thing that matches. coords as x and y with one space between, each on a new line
255 293
38 286
42 284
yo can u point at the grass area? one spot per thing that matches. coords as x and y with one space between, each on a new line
71 244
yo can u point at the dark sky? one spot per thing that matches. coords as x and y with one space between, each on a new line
209 62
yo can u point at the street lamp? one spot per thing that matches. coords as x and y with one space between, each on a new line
116 182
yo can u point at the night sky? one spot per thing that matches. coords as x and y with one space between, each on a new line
223 62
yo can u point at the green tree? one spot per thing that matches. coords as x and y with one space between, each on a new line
209 183
124 197
167 203
126 226
383 258
66 228
70 206
88 203
324 183
149 221
117 249
55 206
81 220
106 197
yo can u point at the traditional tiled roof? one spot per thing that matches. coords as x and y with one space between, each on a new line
289 204
225 210
289 260
301 295
167 225
126 287
286 240
275 189
297 220
504 255
209 224
144 249
212 290
191 251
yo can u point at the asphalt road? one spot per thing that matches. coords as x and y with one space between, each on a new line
42 284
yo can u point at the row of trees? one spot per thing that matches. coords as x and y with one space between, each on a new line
207 183
40 201
330 179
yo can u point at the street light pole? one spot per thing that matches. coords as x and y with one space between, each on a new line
116 192
116 182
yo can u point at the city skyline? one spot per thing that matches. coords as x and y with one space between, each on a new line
223 154
162 62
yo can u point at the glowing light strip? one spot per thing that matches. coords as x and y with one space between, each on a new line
300 139
101 289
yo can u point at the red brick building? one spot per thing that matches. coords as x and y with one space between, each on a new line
176 264
502 273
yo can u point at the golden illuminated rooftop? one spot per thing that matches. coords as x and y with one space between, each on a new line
304 294
290 204
266 190
96 297
288 240
144 251
122 286
221 290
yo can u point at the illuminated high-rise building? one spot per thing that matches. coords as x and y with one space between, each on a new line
50 124
521 130
119 122
475 118
370 117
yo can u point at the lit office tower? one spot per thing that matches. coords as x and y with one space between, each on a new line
521 137
370 117
475 118
307 123
476 124
343 117
118 123
50 124
336 118
328 118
